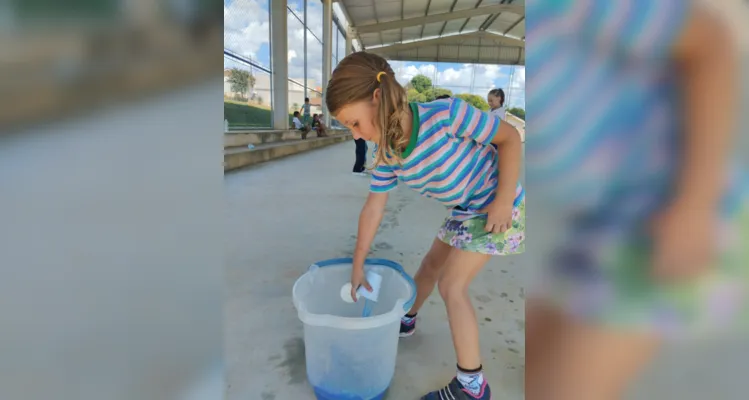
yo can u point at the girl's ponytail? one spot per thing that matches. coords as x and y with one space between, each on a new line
393 109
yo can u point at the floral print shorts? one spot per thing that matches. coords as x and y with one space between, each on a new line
464 230
603 276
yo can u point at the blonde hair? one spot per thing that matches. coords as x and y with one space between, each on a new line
355 79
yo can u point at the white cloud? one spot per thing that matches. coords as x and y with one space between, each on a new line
491 72
314 48
467 78
404 73
246 27
518 78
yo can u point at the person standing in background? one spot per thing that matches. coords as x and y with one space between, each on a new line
361 156
305 111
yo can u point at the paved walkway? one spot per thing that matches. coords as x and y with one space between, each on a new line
286 214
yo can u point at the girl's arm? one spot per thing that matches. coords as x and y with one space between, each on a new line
369 221
684 232
510 150
707 55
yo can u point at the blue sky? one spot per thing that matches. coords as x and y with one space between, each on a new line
247 32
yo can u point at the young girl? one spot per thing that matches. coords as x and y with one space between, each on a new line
496 100
635 106
443 151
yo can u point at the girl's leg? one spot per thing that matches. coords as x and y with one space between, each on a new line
570 360
428 273
425 279
459 269
542 327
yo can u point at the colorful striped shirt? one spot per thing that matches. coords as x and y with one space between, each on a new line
606 104
449 157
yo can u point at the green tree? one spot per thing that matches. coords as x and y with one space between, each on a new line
518 112
474 100
414 96
421 83
241 81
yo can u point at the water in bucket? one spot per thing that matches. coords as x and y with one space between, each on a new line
350 357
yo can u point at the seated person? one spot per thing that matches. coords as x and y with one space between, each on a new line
318 125
298 125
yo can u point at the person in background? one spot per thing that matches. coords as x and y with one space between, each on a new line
305 111
361 156
298 125
318 125
496 100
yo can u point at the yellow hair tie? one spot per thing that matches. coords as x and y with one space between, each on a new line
379 75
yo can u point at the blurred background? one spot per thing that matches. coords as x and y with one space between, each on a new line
62 57
698 370
110 199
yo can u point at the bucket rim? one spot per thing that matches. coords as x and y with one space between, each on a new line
383 262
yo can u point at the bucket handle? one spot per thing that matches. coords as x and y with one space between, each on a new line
379 262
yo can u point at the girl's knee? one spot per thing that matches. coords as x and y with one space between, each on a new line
451 290
431 264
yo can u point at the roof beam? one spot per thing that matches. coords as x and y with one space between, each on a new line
353 32
428 19
489 22
514 25
444 24
468 19
482 59
453 39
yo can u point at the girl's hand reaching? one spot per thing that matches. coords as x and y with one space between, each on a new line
357 280
498 215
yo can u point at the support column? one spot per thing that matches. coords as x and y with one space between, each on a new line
306 81
508 95
349 41
279 64
327 52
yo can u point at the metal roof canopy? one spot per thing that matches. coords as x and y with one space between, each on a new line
459 31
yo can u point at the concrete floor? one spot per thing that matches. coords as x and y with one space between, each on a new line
284 215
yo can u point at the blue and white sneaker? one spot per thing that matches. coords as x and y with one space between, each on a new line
408 326
455 391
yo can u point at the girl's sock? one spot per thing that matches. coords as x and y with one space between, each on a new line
472 380
408 318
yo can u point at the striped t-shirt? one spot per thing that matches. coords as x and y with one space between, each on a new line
449 157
